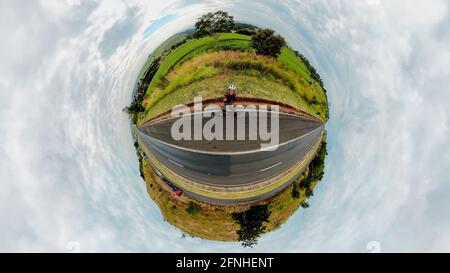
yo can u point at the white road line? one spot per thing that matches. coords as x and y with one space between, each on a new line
268 168
150 122
176 163
274 147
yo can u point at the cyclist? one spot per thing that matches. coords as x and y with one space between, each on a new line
230 95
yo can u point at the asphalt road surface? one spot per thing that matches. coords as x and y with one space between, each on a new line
290 127
231 163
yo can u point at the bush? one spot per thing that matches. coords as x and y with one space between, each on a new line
306 182
316 168
246 31
193 208
267 43
305 205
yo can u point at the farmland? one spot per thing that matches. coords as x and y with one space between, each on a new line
205 66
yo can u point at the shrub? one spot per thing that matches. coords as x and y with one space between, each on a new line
306 182
267 43
295 192
246 31
193 208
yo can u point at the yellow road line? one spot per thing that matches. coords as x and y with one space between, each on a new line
230 195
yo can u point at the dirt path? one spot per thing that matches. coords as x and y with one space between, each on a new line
284 108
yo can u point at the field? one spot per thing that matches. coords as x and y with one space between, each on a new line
195 47
161 49
292 61
206 66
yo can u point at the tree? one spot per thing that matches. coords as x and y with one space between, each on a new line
134 108
211 23
267 43
316 168
251 224
306 182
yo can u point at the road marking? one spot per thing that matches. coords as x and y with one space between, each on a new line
268 168
153 122
176 163
220 197
269 148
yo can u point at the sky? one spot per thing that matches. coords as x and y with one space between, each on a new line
68 170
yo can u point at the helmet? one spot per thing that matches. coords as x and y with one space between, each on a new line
232 87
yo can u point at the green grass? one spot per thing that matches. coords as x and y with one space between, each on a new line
250 85
256 76
191 64
159 51
288 58
195 47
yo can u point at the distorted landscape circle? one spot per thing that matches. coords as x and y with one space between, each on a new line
203 111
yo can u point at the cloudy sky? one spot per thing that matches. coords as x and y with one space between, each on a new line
68 171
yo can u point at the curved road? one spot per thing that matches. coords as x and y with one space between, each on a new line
231 163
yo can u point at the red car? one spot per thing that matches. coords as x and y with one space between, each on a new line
177 193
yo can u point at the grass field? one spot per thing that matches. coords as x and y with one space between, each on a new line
213 87
205 66
256 76
211 222
195 47
288 58
161 49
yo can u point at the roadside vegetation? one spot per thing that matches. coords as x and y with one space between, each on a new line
217 33
244 223
251 224
256 75
265 42
202 62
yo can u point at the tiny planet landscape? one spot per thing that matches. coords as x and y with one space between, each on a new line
227 187
224 126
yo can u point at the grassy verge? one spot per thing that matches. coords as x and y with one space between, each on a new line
257 76
165 47
195 47
296 62
249 87
209 222
181 62
214 222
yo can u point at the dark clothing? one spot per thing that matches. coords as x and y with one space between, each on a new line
229 98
